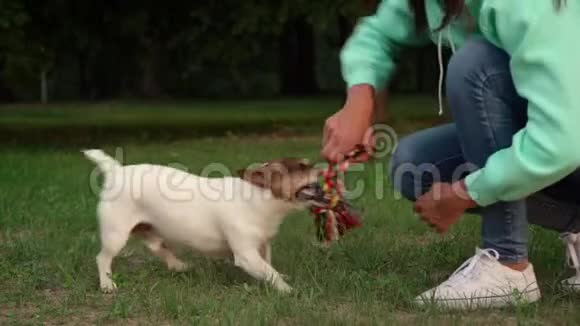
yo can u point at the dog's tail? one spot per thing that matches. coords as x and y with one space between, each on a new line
104 162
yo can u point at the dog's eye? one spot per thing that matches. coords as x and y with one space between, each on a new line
305 163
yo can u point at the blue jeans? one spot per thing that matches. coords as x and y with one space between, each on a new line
487 112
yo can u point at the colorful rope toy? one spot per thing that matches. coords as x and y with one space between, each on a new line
336 217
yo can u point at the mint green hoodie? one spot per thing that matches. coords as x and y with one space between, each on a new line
544 45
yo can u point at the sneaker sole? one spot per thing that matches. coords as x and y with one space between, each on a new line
527 297
572 287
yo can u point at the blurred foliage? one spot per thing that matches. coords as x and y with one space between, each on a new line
106 49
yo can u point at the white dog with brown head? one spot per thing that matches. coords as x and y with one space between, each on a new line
230 216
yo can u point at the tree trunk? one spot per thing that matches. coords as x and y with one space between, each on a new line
44 86
344 28
298 59
371 5
381 112
150 86
420 71
83 66
6 94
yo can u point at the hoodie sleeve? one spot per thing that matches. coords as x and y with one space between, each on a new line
368 55
544 47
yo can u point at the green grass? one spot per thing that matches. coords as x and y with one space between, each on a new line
48 239
79 124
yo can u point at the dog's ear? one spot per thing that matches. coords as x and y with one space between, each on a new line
256 177
265 178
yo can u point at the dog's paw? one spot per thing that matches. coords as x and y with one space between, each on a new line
284 288
178 266
108 288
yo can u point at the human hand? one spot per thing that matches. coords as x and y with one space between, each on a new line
350 126
443 205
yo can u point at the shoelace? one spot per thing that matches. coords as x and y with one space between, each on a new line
571 253
466 269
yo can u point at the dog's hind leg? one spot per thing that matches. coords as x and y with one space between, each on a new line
157 246
111 245
115 231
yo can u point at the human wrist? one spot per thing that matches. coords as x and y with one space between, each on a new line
462 194
361 98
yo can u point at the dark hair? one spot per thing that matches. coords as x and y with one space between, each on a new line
451 8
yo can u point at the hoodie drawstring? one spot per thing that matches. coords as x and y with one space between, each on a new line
441 68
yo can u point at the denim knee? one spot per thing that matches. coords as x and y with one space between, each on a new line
401 170
424 157
486 107
477 60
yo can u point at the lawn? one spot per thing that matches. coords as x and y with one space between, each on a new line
48 229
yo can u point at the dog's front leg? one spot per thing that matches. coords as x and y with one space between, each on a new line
252 262
266 252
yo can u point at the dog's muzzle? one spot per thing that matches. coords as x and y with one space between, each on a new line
313 194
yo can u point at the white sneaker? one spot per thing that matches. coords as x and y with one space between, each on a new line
572 241
483 282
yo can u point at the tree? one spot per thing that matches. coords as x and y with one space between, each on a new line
106 49
12 19
301 20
